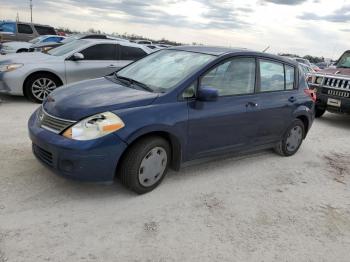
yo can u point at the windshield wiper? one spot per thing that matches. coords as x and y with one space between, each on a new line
134 82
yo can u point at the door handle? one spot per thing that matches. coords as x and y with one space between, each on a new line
252 104
112 66
292 99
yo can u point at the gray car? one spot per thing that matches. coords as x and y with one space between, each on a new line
36 75
21 31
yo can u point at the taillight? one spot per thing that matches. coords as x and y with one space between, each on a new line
311 93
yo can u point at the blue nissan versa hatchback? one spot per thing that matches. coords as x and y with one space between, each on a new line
173 106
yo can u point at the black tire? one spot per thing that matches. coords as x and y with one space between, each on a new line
28 85
282 147
22 50
131 163
319 112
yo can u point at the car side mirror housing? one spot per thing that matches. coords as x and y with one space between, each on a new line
78 57
207 94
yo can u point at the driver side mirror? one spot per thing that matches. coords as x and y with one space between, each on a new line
207 94
78 57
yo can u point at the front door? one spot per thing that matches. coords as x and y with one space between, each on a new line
228 123
99 60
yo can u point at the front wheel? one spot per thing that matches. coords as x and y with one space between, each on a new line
292 139
39 86
319 112
145 164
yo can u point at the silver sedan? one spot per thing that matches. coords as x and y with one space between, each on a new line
36 75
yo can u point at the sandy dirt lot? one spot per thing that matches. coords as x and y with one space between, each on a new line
260 207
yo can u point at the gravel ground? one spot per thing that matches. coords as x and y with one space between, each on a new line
260 207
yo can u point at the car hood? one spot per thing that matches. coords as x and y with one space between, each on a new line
17 44
28 58
86 98
336 71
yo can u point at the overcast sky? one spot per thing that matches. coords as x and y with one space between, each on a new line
317 27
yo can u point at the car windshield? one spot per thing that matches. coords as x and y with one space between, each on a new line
37 39
344 61
66 48
164 69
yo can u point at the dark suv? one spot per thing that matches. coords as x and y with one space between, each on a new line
172 106
20 31
332 86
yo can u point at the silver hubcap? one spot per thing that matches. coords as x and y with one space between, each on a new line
42 87
294 138
153 166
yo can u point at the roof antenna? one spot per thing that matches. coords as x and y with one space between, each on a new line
267 48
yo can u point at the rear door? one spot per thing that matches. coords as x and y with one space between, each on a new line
228 123
25 32
99 60
277 100
130 54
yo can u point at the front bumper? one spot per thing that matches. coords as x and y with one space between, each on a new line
322 102
12 82
94 160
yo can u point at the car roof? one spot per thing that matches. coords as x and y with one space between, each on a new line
120 42
221 51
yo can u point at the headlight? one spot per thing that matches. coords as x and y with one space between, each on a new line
318 80
94 127
8 48
9 68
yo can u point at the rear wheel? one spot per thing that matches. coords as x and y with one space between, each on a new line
292 139
39 86
145 164
319 112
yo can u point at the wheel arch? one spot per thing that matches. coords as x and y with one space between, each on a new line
37 73
306 122
174 142
22 50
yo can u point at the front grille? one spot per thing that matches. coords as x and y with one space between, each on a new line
54 124
43 155
337 83
337 93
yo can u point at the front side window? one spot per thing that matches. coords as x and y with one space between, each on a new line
100 52
8 27
131 53
234 77
271 76
164 69
24 29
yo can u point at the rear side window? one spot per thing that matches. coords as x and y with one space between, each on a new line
234 77
100 52
290 77
24 29
44 30
8 27
131 53
52 39
271 76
